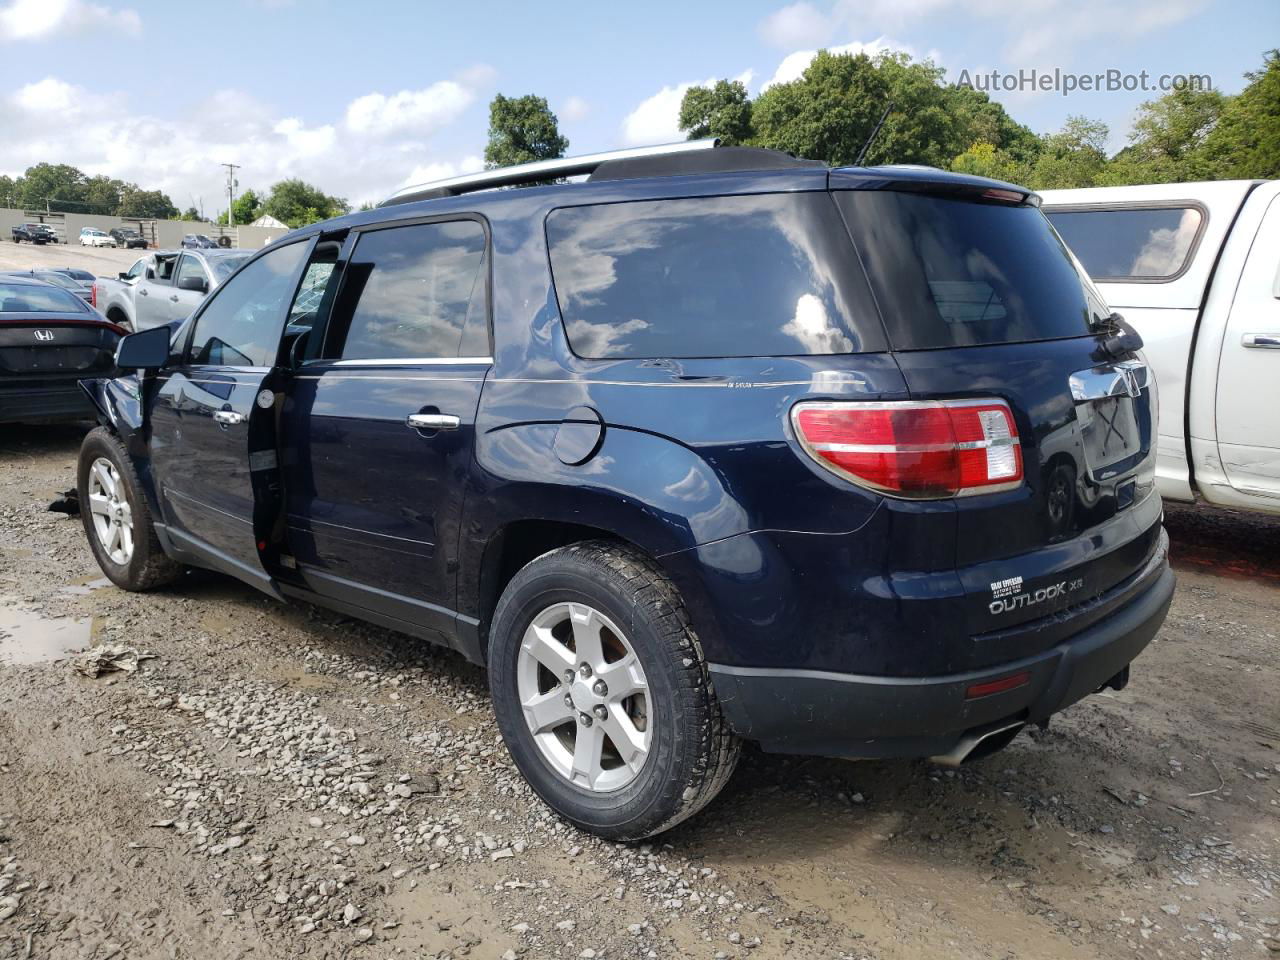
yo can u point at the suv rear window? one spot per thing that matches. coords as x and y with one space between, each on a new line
758 275
1130 244
952 273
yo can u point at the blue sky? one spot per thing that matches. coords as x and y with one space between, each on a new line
363 97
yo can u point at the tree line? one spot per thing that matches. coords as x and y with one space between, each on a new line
831 110
61 188
828 113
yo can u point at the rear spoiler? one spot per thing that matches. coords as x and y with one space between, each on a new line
912 178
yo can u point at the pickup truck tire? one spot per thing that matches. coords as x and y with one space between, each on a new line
690 751
104 463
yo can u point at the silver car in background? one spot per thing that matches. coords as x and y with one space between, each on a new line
165 286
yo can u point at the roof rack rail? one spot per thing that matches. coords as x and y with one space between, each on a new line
525 173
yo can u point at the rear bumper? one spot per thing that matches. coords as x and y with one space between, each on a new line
32 403
847 715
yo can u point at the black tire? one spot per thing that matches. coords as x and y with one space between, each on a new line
148 567
693 752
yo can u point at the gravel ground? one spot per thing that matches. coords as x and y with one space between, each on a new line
279 781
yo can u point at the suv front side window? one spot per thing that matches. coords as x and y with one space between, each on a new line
414 292
242 321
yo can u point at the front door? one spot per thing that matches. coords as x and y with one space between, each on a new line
378 429
151 295
1249 369
212 420
182 302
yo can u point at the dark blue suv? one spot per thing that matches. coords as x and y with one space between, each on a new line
716 445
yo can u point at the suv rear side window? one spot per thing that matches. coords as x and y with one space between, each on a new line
953 273
414 292
1130 244
759 275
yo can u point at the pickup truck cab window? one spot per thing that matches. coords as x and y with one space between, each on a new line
1131 243
413 292
241 324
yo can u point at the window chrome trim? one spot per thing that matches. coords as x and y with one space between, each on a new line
400 361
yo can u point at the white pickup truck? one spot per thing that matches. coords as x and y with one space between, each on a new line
1195 269
164 286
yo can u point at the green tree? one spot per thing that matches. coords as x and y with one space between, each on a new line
8 191
522 130
722 110
826 114
247 208
987 160
59 185
298 203
1245 143
191 213
101 195
982 120
145 204
1073 157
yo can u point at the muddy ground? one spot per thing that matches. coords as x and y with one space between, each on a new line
283 782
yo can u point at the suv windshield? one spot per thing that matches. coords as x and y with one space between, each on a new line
30 298
954 273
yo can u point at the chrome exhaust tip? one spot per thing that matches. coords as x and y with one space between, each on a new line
980 742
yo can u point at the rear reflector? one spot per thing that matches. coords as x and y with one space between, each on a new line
919 450
93 295
997 686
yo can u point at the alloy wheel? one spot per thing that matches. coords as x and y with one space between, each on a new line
584 697
109 507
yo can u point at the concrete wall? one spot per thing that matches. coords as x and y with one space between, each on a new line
168 233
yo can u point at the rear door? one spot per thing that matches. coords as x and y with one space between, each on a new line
1248 394
379 423
213 436
981 299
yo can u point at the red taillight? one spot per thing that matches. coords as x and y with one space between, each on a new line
93 295
915 449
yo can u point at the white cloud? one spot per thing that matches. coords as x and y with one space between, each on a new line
799 25
794 64
574 109
409 111
39 19
657 118
363 152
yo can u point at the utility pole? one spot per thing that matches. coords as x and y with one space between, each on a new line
231 191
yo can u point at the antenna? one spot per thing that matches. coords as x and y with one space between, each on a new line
874 133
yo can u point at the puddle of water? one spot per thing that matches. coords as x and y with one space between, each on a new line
27 636
86 587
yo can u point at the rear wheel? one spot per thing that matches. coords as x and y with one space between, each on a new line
116 517
602 694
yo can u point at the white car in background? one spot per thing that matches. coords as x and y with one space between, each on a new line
93 237
1195 269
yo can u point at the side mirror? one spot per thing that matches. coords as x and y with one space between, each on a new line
151 274
198 284
146 350
124 276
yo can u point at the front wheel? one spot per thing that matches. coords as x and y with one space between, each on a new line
116 517
602 694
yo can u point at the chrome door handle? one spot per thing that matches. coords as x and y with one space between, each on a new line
143 293
228 417
432 421
1267 341
174 298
